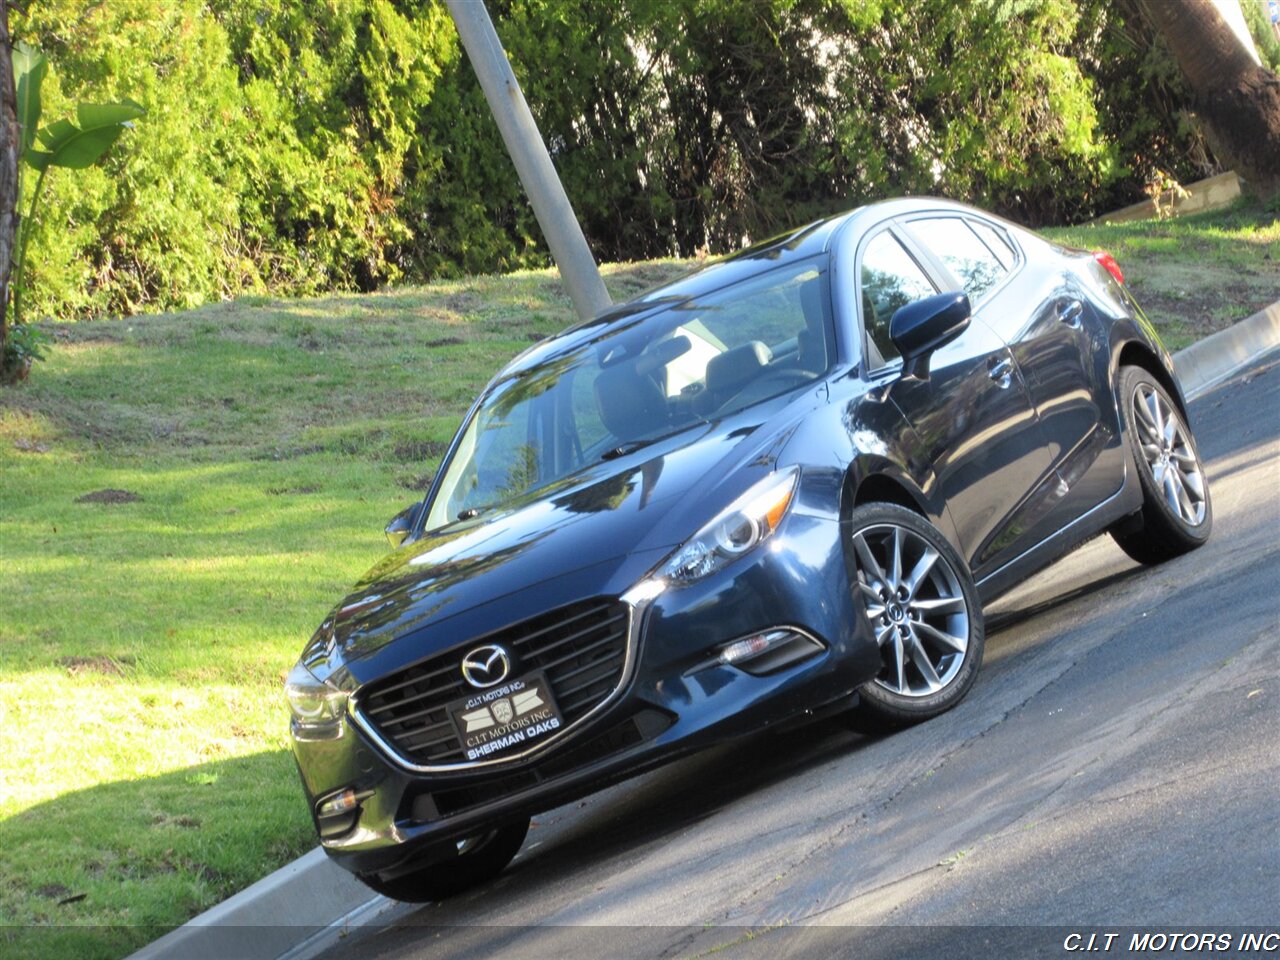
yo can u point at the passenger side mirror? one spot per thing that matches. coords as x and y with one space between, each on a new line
921 327
402 525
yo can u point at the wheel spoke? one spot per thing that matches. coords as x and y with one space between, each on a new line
1194 482
921 659
939 605
871 592
1185 506
867 558
895 563
957 644
875 612
920 571
899 665
1157 412
1144 417
1170 485
1151 451
883 635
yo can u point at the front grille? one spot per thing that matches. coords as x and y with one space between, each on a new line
581 647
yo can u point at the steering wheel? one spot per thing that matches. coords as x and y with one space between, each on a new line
769 384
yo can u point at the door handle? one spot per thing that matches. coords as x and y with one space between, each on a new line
1070 312
1001 371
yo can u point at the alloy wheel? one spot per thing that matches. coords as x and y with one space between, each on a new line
1173 462
916 607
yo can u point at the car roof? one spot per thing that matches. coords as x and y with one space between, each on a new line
794 245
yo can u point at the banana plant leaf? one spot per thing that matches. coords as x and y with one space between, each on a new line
64 144
29 69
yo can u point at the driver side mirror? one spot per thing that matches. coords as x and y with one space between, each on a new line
921 327
402 525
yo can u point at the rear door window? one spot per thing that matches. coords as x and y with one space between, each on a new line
996 242
954 242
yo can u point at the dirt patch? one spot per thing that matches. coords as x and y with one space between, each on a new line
54 891
288 491
1197 311
30 446
288 453
109 495
99 664
417 450
88 333
182 820
420 483
462 301
445 342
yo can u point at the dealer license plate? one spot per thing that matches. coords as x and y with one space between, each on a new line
507 719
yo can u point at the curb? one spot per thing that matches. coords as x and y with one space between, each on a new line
290 915
1208 362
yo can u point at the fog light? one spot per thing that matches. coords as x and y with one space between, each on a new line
339 803
764 653
741 650
336 814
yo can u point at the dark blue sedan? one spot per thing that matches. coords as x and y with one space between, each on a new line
782 486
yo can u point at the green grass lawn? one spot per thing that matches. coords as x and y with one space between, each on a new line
1193 275
255 450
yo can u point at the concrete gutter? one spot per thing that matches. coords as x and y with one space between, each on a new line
304 908
274 918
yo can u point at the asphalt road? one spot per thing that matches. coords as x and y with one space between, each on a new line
1116 767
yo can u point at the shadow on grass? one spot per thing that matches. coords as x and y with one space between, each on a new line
100 872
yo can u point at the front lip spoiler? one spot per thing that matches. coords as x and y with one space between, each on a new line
637 600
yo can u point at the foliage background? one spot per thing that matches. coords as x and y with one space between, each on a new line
294 146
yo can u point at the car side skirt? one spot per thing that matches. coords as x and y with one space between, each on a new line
1125 501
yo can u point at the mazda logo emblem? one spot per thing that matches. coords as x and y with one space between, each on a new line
486 666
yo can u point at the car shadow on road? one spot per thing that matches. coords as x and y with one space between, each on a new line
1006 619
572 839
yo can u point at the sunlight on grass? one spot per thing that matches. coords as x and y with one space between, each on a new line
1193 275
184 498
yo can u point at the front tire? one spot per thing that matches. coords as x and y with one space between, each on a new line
478 859
1176 515
920 600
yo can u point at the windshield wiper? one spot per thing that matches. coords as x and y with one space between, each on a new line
623 449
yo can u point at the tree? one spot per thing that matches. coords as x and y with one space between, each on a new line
1237 101
8 174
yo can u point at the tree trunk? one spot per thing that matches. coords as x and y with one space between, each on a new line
8 172
1237 102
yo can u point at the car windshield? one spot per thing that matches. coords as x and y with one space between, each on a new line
697 361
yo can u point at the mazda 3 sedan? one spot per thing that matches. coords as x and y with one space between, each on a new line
783 486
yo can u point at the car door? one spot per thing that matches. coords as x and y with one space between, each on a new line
973 415
1053 334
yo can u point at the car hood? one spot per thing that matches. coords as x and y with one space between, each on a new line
596 534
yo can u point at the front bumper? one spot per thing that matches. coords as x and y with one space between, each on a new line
674 700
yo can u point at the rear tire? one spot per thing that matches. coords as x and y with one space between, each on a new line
923 608
479 859
1177 514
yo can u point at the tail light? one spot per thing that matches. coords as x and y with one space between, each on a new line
1108 261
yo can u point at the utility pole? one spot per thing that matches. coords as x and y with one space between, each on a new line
541 182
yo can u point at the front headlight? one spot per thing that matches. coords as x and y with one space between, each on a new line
743 526
317 707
